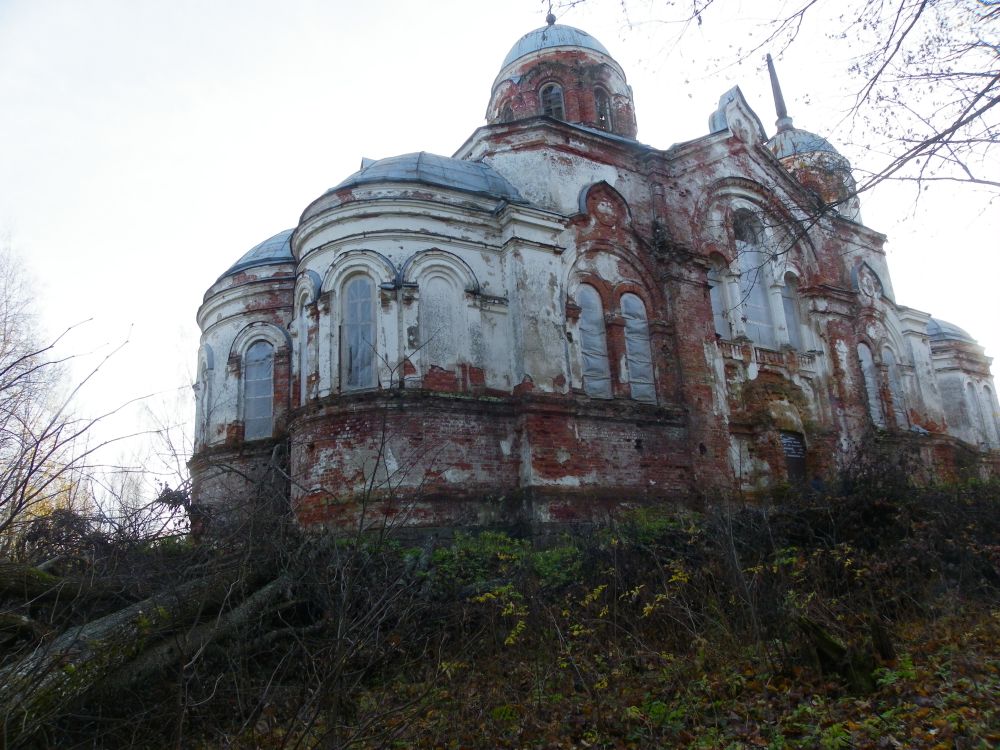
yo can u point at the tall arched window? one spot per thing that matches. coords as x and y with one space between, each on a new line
358 334
717 296
203 403
896 389
602 109
593 344
638 355
551 97
302 340
870 376
790 304
752 262
258 391
507 113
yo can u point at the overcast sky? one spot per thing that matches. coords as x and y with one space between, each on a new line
145 146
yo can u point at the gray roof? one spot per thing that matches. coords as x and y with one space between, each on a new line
276 249
795 141
552 36
431 169
942 330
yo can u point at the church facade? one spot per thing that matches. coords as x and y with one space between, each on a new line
558 318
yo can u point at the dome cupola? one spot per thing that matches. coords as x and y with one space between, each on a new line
812 160
564 73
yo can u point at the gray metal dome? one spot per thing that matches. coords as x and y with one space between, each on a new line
793 142
942 330
276 249
547 37
431 169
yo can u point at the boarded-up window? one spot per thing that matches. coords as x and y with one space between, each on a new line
593 344
602 106
438 323
637 349
896 388
551 97
790 304
258 391
794 447
717 295
358 334
870 376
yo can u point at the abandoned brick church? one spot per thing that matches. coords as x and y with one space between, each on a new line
558 317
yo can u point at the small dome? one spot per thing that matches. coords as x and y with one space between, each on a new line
940 330
547 37
431 169
276 249
794 142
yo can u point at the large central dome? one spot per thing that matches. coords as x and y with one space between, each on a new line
555 35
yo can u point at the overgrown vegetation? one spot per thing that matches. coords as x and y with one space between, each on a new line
863 618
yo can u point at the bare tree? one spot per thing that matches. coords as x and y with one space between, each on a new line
927 75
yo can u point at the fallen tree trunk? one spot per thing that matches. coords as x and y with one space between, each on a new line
41 686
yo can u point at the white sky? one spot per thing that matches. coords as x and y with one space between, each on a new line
145 146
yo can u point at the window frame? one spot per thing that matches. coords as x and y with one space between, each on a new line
548 109
347 349
259 426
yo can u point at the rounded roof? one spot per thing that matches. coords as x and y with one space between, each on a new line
794 142
276 249
942 330
431 169
555 35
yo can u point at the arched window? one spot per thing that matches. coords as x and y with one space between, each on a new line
551 97
717 296
302 341
602 108
870 376
507 113
790 304
258 391
203 402
752 263
896 389
593 344
637 351
358 334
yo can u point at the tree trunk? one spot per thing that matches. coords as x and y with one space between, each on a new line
41 686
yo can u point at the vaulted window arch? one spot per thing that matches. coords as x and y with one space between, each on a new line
258 391
593 343
551 99
358 342
638 354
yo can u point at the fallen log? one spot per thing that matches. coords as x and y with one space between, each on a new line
42 686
